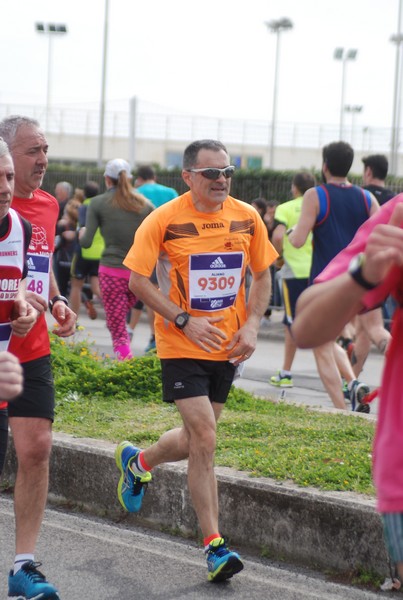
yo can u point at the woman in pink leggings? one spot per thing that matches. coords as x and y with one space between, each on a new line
117 213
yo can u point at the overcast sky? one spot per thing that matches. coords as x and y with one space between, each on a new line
214 57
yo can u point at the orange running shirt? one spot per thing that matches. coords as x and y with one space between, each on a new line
202 260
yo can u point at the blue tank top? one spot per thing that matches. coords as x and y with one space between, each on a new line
342 210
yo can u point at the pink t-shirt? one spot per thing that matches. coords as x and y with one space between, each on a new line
388 443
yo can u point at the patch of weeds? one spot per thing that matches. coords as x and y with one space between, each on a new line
358 577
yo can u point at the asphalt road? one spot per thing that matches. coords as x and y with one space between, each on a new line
92 559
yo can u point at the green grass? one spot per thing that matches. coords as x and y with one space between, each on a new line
104 399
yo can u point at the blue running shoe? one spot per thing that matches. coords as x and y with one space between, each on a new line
357 392
30 584
221 562
131 487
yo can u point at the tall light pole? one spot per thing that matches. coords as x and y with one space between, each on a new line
103 88
344 56
394 142
276 26
50 29
354 109
132 131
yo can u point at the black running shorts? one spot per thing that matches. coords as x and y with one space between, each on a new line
38 396
83 267
188 378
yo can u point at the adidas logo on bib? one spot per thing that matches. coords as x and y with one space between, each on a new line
31 264
218 263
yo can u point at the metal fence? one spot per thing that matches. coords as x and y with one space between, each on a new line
151 125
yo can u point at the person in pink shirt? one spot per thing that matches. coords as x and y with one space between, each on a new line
358 279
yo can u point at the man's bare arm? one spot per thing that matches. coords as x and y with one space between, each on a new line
24 315
11 376
277 237
244 341
65 317
326 307
307 220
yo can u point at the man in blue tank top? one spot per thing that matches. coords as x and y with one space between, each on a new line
333 212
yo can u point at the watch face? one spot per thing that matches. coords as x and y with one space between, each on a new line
181 320
355 270
355 264
352 267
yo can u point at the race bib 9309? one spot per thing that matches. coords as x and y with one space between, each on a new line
214 279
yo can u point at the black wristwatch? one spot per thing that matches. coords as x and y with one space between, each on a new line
181 320
355 270
57 299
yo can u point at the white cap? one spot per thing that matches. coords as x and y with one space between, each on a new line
116 166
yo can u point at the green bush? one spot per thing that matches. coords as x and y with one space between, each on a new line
78 369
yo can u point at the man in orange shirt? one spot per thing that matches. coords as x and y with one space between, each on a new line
202 242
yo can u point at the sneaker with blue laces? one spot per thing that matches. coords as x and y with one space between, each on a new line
222 563
30 584
358 391
131 487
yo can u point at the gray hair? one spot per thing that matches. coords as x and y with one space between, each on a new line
10 125
66 186
3 148
192 151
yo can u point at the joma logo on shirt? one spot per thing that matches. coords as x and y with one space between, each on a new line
213 226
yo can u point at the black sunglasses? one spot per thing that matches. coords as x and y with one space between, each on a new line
213 174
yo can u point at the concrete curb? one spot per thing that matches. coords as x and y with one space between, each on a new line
332 531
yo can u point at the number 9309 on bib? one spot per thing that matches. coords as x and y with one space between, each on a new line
214 279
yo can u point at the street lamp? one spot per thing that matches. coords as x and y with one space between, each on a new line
344 56
50 29
103 87
276 26
394 143
354 109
